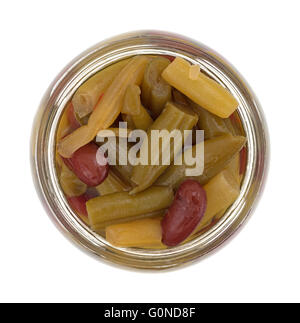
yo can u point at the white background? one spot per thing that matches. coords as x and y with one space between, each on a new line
261 263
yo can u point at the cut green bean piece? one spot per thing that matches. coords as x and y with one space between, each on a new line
155 91
218 152
173 117
107 208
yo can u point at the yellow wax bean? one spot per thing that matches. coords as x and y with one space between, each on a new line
107 109
101 227
173 117
112 184
202 90
145 233
121 205
88 94
221 191
194 72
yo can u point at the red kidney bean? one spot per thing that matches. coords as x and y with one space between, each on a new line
74 123
169 57
233 118
85 163
184 214
77 203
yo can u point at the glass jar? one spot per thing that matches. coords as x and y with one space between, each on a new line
96 58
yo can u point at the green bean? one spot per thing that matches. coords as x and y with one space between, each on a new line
112 184
173 117
211 124
132 107
155 91
120 205
218 152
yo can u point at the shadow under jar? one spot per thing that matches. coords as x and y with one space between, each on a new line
249 121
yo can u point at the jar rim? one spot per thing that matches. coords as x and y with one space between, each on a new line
97 58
